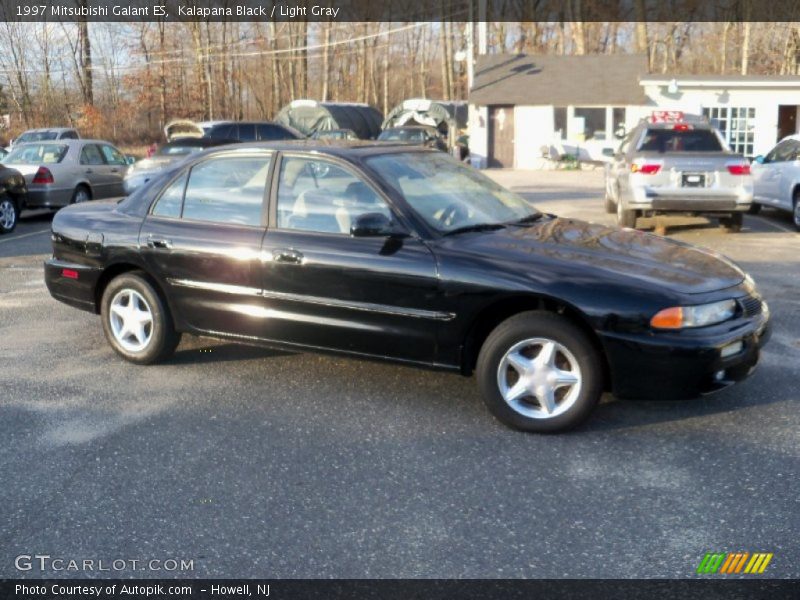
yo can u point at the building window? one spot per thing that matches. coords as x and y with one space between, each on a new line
618 129
736 124
594 123
560 122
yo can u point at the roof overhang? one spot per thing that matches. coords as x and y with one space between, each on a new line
720 83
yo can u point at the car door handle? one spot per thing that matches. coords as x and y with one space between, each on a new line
286 255
115 170
89 171
156 242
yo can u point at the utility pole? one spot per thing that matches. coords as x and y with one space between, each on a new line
470 49
482 41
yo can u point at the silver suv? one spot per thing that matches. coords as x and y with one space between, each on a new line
675 163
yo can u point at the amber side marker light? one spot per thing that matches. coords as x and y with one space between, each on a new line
669 318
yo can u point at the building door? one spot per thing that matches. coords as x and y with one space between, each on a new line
501 136
787 120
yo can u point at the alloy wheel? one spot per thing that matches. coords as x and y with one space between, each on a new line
539 378
8 214
131 320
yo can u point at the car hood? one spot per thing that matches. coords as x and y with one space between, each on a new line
152 164
652 260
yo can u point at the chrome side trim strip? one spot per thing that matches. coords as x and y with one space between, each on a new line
414 313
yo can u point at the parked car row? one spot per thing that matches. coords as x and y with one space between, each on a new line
676 163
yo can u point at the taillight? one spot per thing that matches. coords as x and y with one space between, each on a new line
646 168
43 176
739 169
69 273
151 150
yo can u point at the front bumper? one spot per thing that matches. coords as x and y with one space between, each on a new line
72 283
686 364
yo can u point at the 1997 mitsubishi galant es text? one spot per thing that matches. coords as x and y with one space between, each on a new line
402 253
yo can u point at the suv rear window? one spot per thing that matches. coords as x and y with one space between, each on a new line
671 140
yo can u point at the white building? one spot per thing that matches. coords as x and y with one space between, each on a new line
526 109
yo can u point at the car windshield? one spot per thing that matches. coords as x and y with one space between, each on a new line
448 195
680 140
36 136
42 154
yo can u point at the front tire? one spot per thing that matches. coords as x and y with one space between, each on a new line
796 210
9 214
538 372
136 321
754 209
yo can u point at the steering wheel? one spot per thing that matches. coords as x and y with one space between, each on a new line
453 213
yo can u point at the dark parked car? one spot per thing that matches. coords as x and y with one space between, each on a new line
254 131
404 254
165 155
13 194
414 134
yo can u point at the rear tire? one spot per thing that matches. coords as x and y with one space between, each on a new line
9 214
81 194
136 321
539 372
732 224
625 217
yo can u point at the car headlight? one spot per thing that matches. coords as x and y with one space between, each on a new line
680 317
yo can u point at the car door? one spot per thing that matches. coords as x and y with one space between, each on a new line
202 239
789 176
767 174
329 289
92 168
115 169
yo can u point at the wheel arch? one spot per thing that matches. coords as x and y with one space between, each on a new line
491 315
115 270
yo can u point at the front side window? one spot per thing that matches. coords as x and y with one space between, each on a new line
783 152
112 155
36 136
447 194
321 196
227 190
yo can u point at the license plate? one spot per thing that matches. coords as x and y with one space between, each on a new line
693 180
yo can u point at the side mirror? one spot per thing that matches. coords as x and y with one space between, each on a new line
129 160
759 159
608 152
374 224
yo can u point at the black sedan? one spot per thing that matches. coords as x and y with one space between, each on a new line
404 254
13 194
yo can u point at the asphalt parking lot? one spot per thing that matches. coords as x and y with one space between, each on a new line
252 463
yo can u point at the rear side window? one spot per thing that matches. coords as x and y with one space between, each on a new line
171 199
273 132
223 132
227 190
672 140
69 135
90 155
247 132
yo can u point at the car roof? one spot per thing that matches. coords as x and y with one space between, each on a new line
692 125
353 148
38 129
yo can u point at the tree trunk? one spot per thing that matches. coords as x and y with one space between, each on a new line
326 40
746 46
86 58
